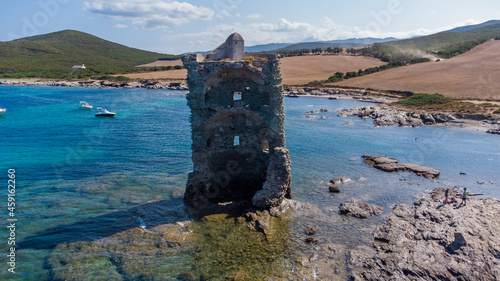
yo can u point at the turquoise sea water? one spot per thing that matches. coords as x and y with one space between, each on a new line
72 167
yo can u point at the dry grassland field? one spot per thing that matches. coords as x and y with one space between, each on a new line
175 74
475 74
163 63
301 70
294 70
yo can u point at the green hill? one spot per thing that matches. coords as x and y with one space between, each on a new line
53 55
443 44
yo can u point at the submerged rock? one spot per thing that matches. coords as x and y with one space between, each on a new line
312 112
311 240
310 230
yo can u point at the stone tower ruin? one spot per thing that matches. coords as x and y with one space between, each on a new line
237 121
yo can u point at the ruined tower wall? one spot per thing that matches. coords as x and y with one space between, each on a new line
238 134
235 49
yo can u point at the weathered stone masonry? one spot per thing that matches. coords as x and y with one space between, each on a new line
237 121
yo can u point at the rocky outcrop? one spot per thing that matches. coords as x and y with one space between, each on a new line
391 165
494 131
333 185
258 220
337 93
337 181
434 241
359 210
384 116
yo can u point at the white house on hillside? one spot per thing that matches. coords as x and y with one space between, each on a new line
76 67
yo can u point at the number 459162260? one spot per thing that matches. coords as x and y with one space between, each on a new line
12 191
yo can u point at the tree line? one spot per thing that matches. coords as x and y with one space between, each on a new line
313 51
339 76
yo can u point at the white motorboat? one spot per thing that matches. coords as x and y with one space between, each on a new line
2 110
85 105
102 112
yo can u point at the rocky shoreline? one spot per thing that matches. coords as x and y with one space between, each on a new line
432 240
386 116
337 93
151 85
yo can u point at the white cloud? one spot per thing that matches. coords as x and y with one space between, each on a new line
120 26
254 17
285 31
149 14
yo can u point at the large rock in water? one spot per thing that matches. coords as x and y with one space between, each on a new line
435 241
494 131
359 210
391 165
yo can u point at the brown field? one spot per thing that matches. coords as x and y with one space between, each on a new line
475 74
175 74
294 70
304 69
163 63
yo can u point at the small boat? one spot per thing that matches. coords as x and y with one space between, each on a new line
2 110
104 113
85 105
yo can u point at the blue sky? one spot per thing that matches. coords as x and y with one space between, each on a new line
174 27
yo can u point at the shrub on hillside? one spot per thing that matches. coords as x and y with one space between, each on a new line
336 77
422 99
405 94
457 49
315 83
121 78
